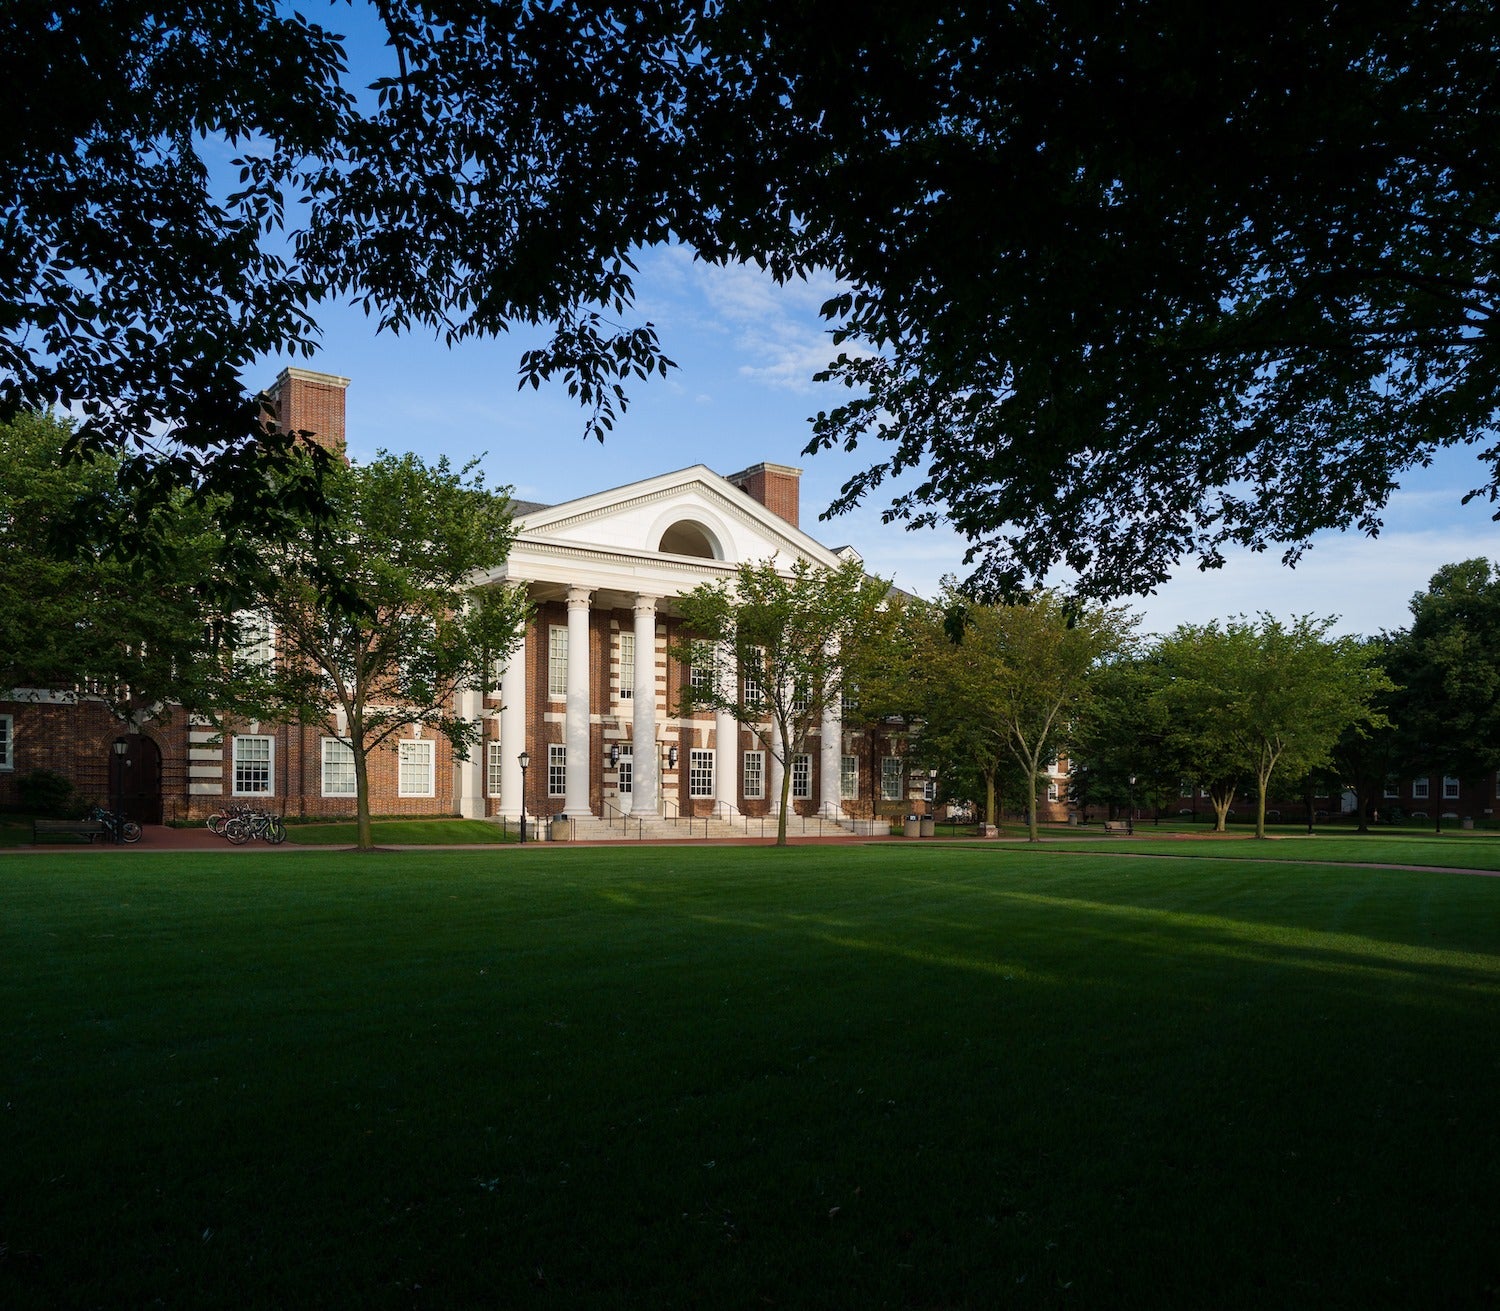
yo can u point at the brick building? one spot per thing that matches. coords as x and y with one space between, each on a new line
590 697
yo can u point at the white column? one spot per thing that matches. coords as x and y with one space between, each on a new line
576 728
726 742
830 763
470 778
513 731
644 782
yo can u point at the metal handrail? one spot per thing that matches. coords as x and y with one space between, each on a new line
640 829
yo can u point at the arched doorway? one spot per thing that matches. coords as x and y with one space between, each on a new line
135 778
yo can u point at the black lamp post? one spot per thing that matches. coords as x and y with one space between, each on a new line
120 747
1130 818
525 760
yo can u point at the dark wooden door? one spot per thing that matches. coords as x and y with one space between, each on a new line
135 779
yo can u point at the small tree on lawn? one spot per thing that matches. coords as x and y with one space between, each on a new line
772 642
385 626
1011 678
1250 699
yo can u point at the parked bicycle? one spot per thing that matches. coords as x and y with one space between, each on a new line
222 816
239 829
117 827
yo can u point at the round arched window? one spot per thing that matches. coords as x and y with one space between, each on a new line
688 538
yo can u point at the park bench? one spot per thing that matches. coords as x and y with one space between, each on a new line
58 829
1116 826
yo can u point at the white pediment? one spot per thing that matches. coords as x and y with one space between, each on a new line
692 512
660 537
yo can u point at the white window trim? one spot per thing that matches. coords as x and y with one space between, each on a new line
625 770
8 742
1391 792
759 771
557 769
324 763
848 778
259 653
1452 788
801 777
405 749
1420 789
627 668
700 762
494 762
234 766
557 662
897 775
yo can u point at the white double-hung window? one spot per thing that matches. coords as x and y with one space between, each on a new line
801 777
891 778
557 661
755 775
415 771
848 777
338 768
627 667
700 773
253 757
254 639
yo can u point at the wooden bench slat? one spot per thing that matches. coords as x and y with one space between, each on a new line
88 829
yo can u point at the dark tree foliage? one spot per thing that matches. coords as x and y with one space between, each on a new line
1131 285
1447 665
503 174
1127 285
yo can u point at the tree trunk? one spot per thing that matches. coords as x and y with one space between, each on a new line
1033 831
989 799
1221 809
1262 781
363 838
786 788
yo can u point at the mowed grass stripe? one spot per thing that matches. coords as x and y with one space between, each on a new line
907 1076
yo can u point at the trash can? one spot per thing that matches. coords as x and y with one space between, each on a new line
1468 821
559 830
913 827
929 826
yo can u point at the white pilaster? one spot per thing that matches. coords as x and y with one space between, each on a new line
726 742
644 784
470 780
576 729
513 731
829 762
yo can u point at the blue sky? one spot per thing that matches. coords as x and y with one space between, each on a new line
743 392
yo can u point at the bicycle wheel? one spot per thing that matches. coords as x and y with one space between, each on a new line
215 823
131 831
275 832
236 831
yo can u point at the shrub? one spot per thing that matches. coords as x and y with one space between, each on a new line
47 793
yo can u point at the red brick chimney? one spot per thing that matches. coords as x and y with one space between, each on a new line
775 486
311 402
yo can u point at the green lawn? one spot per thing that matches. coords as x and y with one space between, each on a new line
403 832
911 1075
1457 850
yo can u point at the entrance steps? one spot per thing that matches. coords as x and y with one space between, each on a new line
634 828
